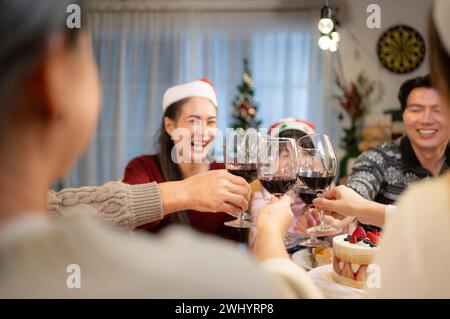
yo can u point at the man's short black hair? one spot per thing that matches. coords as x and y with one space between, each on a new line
409 85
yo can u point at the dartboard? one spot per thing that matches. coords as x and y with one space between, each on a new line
401 49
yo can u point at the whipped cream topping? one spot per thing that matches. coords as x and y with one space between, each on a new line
358 245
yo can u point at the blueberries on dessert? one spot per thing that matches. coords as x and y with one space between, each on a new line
360 238
346 239
366 241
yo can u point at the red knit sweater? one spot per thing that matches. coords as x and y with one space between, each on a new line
146 169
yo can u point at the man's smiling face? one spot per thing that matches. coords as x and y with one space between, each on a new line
426 122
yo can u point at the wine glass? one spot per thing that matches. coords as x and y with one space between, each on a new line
241 159
277 171
317 170
307 195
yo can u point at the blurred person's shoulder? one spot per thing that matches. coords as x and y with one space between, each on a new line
110 263
414 243
179 263
423 211
428 196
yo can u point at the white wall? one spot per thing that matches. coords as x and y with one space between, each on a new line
361 54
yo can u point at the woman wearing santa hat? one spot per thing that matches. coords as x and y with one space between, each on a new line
187 134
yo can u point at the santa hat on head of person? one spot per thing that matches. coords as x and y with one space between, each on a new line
200 88
292 124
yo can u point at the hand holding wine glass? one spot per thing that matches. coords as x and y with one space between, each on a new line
226 192
317 170
241 159
307 195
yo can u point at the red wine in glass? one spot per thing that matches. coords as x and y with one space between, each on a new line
247 171
307 195
317 181
277 185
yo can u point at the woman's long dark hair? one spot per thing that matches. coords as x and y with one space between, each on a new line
170 170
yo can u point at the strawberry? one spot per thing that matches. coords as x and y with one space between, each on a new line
353 239
361 275
374 238
359 232
347 271
336 266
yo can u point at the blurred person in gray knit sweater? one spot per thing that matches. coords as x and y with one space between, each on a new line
49 104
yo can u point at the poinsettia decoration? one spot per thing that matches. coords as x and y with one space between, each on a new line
354 99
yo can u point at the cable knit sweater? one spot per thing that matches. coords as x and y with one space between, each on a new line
126 205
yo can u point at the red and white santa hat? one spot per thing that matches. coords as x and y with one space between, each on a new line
292 124
199 88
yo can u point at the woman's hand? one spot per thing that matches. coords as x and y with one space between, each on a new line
342 201
306 221
217 191
272 224
275 217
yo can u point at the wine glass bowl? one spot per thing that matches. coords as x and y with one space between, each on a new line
278 167
317 170
241 159
277 171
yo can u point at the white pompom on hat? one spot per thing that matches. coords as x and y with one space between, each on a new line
199 88
441 18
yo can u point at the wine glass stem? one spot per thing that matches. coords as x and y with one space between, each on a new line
319 195
313 233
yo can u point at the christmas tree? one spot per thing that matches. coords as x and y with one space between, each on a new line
244 108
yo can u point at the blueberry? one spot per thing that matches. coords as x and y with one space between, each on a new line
366 241
345 239
372 245
360 238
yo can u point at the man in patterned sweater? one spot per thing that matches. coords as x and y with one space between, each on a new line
383 173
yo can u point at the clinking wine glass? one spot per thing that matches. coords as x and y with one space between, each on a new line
241 159
307 196
277 171
317 170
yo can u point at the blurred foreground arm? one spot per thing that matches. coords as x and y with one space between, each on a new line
344 201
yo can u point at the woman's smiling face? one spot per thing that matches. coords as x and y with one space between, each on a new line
198 118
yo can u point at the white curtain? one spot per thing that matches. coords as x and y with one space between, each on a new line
141 53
